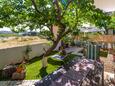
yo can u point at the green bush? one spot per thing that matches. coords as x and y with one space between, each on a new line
103 53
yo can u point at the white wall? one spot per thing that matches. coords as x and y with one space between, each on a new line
16 54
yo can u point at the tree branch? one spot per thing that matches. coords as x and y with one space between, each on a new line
66 32
58 9
66 8
51 30
59 17
35 6
61 30
50 27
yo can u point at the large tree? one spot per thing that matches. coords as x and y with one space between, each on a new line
66 14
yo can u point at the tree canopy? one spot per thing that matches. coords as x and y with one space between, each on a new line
36 13
112 21
68 15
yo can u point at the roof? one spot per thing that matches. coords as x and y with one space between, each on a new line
91 29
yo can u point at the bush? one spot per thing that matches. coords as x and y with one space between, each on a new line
103 53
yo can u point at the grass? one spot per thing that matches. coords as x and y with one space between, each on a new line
69 58
34 70
7 35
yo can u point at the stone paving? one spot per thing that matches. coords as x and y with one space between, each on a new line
18 83
109 65
74 50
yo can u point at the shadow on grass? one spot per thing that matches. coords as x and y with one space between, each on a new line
53 52
34 59
69 58
37 58
43 72
55 62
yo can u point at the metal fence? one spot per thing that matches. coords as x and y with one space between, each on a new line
92 51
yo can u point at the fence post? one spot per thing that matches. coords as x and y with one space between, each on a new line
93 51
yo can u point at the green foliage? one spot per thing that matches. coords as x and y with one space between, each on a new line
45 34
112 21
67 39
20 14
103 53
76 32
100 19
69 58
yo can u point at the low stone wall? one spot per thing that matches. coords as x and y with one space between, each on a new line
16 54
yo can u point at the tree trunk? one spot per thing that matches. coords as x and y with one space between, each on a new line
60 35
44 59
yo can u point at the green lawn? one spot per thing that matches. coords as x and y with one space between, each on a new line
34 70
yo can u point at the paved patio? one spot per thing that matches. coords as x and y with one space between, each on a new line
109 65
18 83
74 50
